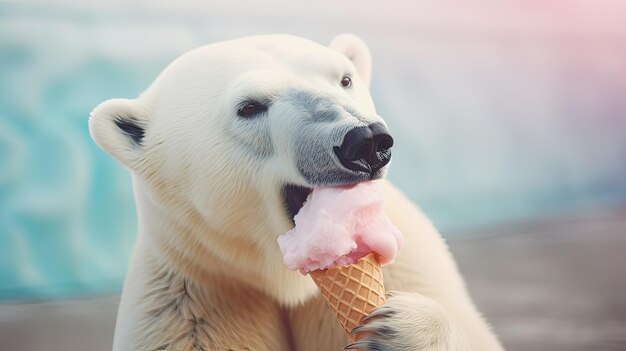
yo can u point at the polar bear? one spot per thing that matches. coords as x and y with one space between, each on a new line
223 149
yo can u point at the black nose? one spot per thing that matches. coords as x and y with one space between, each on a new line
365 149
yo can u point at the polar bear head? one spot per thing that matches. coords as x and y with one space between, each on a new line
229 140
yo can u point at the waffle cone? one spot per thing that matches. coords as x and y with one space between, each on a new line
353 291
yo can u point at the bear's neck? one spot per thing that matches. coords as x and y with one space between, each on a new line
181 240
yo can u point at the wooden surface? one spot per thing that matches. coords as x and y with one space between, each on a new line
554 285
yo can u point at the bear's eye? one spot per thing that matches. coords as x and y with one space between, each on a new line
251 109
346 82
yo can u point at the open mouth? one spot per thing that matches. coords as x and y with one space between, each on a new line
294 197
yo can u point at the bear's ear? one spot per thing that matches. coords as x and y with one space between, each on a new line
357 51
118 127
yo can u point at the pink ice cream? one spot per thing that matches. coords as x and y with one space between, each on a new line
338 226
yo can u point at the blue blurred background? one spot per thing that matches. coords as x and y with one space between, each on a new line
503 113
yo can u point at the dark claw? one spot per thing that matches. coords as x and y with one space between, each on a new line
380 312
356 345
361 328
376 329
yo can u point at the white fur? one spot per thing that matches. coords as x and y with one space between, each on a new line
207 187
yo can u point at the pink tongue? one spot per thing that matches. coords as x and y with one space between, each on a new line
338 226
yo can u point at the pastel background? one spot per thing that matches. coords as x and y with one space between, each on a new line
503 113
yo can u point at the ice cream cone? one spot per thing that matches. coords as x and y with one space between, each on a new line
353 291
